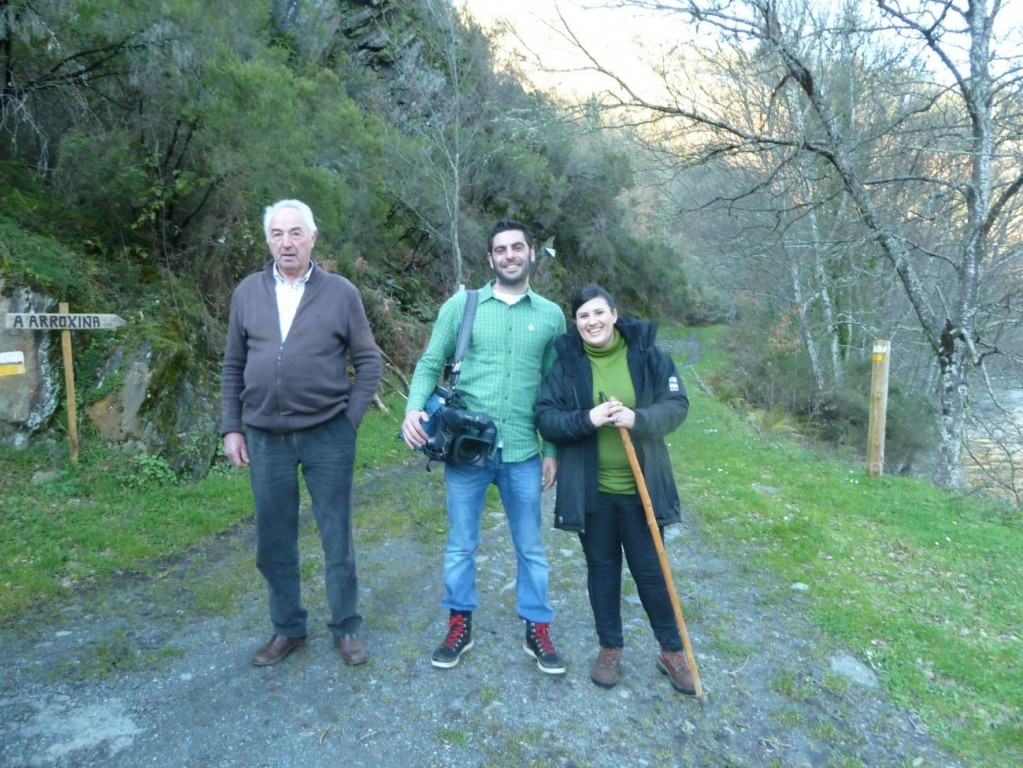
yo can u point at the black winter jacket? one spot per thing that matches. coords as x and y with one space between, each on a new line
562 416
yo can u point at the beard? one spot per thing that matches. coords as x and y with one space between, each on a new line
510 282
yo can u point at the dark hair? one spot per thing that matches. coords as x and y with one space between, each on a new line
505 225
588 293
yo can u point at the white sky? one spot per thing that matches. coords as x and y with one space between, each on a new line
618 37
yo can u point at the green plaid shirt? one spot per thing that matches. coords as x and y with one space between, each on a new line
510 352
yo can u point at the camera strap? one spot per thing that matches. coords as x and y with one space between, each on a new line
472 299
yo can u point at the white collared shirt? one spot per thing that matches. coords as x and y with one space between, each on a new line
288 297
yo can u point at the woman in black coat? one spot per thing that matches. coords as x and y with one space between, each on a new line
610 374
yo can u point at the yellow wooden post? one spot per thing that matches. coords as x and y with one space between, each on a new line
69 381
878 408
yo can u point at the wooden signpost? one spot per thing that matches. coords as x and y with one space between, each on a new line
62 321
65 322
878 407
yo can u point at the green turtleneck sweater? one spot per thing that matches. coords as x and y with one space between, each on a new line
611 377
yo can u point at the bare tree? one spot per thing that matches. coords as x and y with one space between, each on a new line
933 174
443 121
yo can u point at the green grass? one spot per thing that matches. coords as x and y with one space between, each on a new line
923 586
66 526
378 444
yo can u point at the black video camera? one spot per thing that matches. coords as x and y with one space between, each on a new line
475 435
457 435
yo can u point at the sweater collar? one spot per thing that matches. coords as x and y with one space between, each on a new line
617 345
279 279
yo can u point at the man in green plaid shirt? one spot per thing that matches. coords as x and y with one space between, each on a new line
510 352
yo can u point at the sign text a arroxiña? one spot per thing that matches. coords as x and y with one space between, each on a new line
52 321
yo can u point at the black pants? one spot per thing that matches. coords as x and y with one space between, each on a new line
618 525
326 454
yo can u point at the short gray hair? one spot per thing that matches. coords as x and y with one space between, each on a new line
298 205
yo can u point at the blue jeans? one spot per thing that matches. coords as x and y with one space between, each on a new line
326 454
519 486
619 524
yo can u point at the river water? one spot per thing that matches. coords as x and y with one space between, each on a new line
996 446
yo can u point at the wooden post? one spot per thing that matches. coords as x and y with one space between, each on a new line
655 533
878 408
69 381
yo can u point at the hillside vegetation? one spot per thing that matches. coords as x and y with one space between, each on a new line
141 142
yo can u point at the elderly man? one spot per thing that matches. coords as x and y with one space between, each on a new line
287 401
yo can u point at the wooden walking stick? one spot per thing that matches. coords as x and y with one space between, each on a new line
655 531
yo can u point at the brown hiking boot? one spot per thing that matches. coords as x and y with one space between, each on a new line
674 665
607 667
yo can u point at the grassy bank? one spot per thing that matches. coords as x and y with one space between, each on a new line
924 587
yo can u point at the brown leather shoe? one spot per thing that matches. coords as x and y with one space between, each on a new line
276 648
607 667
353 649
674 665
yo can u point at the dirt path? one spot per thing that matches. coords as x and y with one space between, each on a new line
179 690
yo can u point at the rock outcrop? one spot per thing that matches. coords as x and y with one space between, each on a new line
141 399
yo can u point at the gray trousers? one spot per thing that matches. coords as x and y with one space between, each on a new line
326 454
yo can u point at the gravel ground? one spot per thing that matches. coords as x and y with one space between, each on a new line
179 689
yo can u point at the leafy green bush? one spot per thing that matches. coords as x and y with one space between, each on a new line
842 417
772 373
147 470
42 263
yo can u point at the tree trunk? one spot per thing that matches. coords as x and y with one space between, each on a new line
954 390
804 329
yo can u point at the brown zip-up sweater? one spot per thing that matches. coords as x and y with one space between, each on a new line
302 382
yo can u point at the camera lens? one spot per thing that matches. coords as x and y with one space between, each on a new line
466 451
